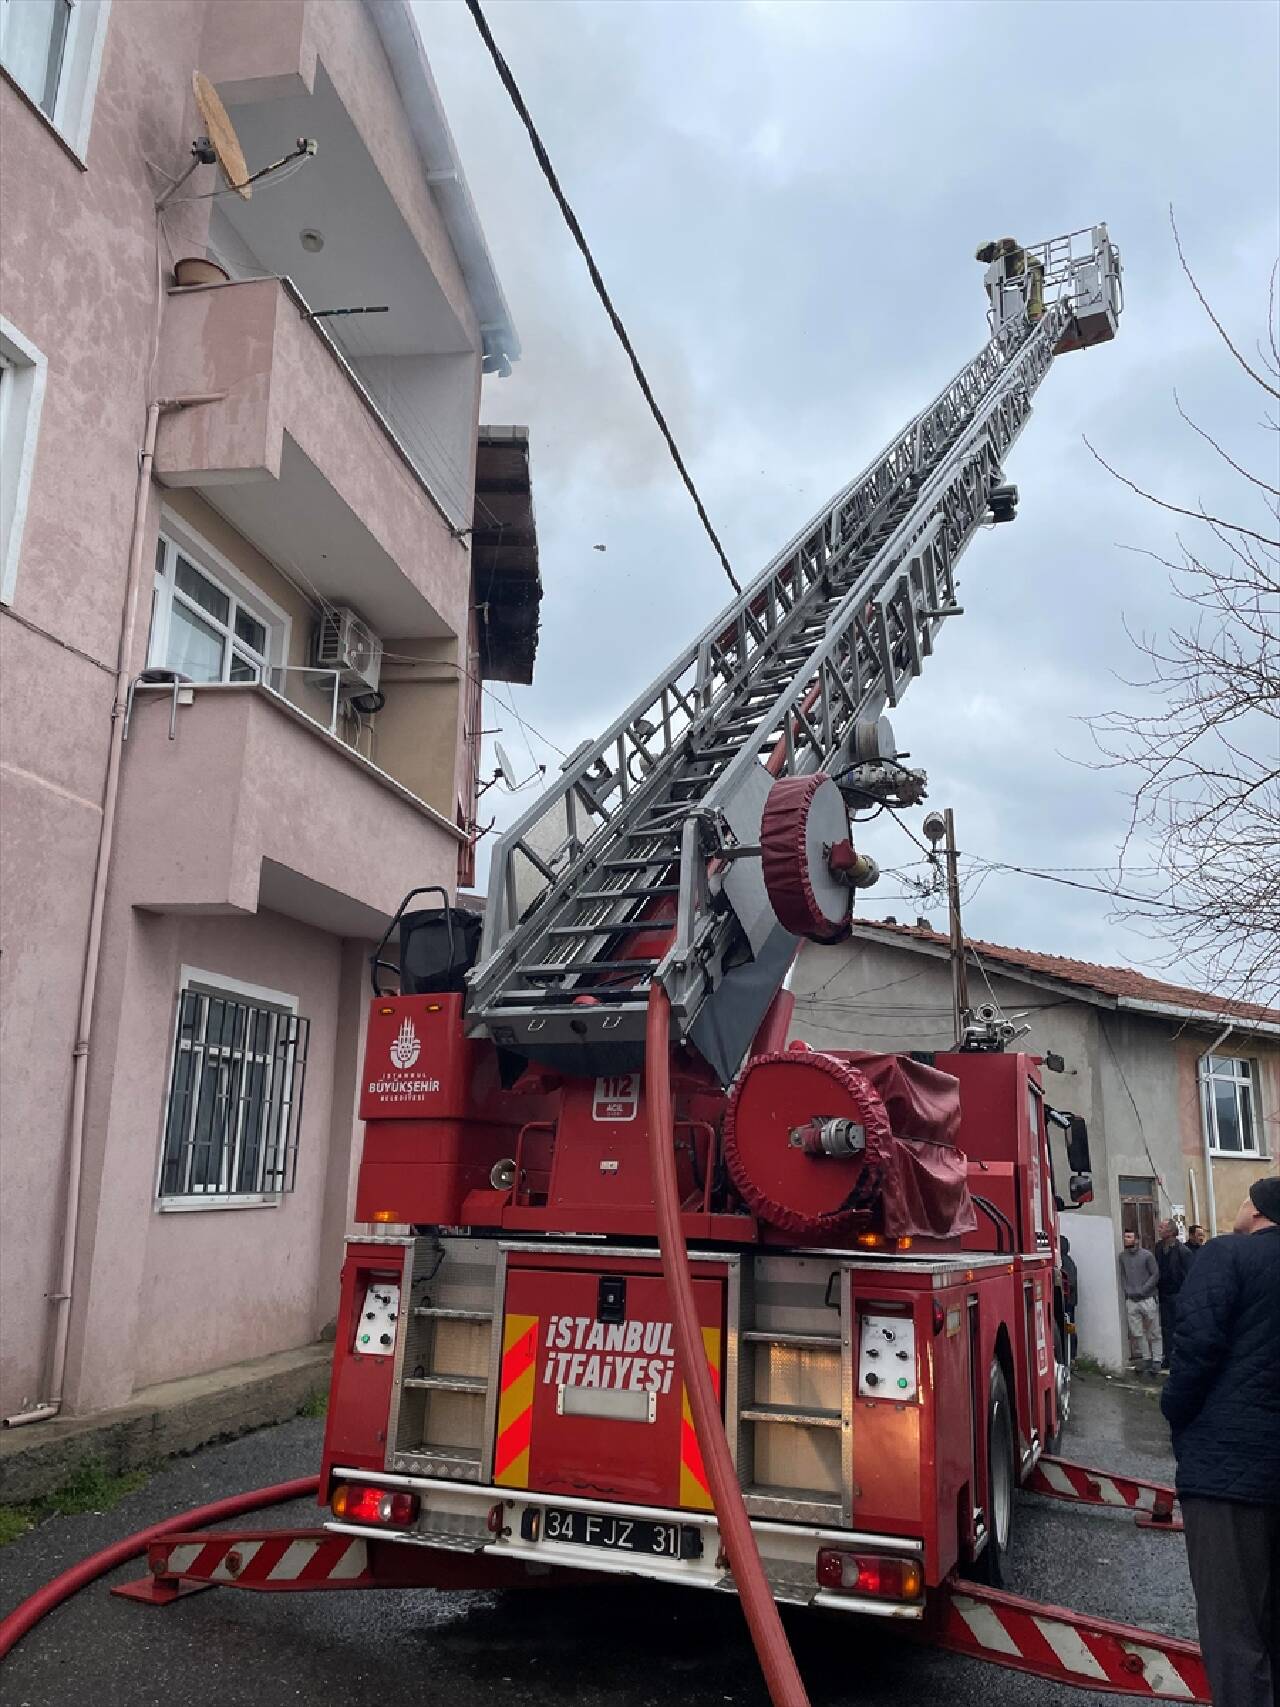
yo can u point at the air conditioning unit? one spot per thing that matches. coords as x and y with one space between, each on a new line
345 643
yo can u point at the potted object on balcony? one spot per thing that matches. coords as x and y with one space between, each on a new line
199 270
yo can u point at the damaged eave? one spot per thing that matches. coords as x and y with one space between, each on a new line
504 556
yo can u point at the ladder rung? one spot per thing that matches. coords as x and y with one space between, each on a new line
798 1414
628 894
447 1383
605 928
443 1314
640 864
808 1342
578 967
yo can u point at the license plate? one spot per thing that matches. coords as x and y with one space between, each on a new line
618 1534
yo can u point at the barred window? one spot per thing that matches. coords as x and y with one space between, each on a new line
234 1107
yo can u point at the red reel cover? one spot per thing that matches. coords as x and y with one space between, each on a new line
804 817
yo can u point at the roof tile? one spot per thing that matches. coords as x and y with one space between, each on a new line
1107 980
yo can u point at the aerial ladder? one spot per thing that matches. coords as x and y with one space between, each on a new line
522 1383
641 864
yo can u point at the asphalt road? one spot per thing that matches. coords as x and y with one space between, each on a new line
610 1646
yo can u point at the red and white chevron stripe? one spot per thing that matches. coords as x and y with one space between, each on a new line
1049 1641
269 1559
1062 1480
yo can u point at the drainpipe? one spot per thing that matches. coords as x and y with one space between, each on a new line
60 1297
1210 1194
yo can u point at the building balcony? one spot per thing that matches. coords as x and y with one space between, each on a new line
386 187
234 801
298 457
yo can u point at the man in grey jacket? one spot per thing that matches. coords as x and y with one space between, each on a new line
1140 1279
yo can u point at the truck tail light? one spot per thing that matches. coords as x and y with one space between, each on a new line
363 1503
866 1573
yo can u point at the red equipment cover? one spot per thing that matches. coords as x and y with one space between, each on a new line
904 1186
922 1101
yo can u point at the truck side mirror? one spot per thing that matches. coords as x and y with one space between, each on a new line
1078 1147
1081 1188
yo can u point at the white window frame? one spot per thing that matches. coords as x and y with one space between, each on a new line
72 115
176 538
206 1198
23 370
1241 1073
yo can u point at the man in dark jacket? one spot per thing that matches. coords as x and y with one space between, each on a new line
1223 1404
1173 1260
1070 1294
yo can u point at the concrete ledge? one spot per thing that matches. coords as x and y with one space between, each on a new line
172 1417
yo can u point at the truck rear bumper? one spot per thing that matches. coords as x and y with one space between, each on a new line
464 1517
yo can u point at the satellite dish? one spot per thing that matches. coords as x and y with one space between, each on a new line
505 766
221 133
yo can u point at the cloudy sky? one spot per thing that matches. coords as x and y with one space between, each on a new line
784 199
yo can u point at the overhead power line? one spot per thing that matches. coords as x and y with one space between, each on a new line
571 220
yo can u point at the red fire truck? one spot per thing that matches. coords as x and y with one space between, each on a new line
652 1290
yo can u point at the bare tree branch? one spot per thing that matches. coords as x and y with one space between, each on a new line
1221 329
1196 428
1204 755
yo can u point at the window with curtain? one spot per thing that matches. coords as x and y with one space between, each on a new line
202 628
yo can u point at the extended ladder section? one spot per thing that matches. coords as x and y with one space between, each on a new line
637 863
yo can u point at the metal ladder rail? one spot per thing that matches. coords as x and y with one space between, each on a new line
909 592
574 934
583 920
912 592
773 598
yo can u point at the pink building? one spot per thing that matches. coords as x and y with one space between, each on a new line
245 617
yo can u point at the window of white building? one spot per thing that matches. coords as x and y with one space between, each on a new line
206 623
22 375
1229 1091
53 49
233 1108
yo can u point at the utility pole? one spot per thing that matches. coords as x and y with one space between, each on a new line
959 974
941 826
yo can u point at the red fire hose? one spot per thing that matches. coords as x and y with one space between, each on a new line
14 1627
772 1649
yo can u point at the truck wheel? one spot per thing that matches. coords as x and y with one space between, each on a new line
990 1565
1062 1382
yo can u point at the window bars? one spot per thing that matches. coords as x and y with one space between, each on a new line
235 1098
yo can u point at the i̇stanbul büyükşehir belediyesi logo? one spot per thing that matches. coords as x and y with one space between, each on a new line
405 1046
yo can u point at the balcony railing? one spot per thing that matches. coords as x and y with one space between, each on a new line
180 693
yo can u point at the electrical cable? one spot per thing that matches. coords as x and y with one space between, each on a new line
1142 1131
570 218
1070 883
929 855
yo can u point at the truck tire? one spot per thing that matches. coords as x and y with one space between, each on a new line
1062 1381
1002 1480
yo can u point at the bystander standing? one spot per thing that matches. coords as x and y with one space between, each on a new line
1222 1401
1140 1282
1174 1261
1070 1295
